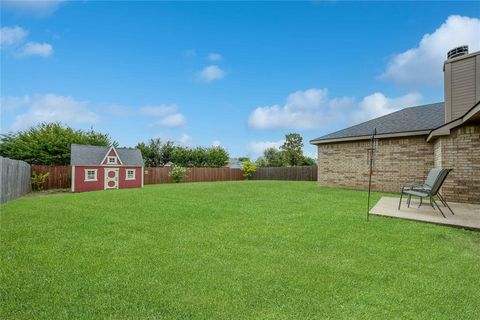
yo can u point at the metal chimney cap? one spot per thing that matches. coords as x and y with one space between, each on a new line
457 52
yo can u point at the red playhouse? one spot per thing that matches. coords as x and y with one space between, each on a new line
102 168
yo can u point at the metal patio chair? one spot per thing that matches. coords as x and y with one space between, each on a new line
430 188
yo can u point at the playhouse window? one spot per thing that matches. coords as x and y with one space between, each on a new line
130 175
90 174
112 160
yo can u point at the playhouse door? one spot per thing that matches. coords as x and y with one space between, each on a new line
111 178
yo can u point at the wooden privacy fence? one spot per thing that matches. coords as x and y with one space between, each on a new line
59 177
14 179
160 175
304 173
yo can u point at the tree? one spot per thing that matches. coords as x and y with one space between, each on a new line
166 152
261 162
48 143
273 157
248 169
200 157
292 150
155 153
307 161
217 157
151 152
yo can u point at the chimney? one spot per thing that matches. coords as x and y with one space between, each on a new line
462 82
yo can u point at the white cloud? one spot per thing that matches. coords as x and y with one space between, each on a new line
256 148
10 103
51 107
185 140
211 73
158 111
302 110
172 120
214 57
377 104
216 143
423 64
166 115
313 108
12 35
38 8
36 49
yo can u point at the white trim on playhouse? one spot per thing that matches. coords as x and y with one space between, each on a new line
107 179
107 155
73 179
133 171
95 173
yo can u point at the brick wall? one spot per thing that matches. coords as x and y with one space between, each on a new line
397 161
461 151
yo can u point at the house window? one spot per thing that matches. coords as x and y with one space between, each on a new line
112 160
130 175
90 174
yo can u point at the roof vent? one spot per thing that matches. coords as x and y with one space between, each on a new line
457 52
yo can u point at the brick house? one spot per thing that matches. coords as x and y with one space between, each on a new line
414 140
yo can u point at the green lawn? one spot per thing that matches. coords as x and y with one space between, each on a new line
243 250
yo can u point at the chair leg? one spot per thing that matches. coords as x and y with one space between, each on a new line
421 201
445 203
408 201
431 198
431 203
400 202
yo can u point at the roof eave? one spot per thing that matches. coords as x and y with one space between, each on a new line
444 130
366 137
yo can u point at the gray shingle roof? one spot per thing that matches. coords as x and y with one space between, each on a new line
86 155
419 118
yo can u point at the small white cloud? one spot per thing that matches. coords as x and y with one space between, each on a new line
11 35
51 107
214 57
10 103
185 140
302 110
38 8
166 114
216 143
423 64
211 73
158 111
377 105
36 49
172 120
256 148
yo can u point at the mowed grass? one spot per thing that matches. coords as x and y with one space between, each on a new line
230 250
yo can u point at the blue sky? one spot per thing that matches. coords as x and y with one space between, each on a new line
236 74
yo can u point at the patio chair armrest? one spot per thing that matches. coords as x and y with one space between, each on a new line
412 185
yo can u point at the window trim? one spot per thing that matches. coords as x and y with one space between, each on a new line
134 174
114 160
95 172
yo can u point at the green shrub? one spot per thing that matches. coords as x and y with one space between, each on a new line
178 173
38 179
248 168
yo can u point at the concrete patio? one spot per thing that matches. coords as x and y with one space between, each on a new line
466 215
